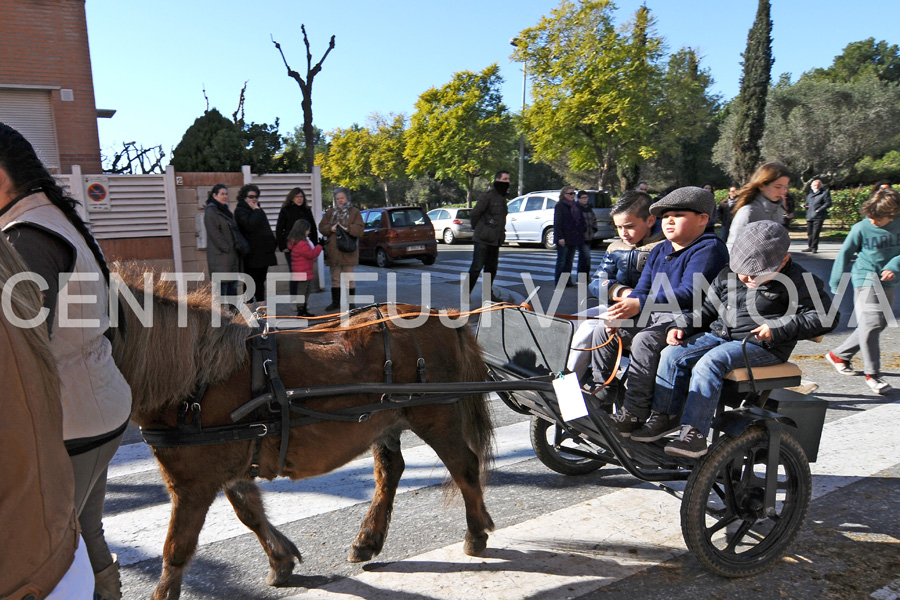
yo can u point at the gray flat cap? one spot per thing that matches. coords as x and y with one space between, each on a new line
760 248
690 198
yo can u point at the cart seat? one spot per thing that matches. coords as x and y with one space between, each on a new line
767 378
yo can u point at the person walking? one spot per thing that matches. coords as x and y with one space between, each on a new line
488 219
347 217
760 199
295 208
818 201
590 226
254 226
223 247
42 224
568 232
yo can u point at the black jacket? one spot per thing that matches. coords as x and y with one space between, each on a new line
289 215
254 226
489 218
726 310
817 204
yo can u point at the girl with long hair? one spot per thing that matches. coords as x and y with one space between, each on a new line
761 198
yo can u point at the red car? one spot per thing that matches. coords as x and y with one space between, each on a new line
397 232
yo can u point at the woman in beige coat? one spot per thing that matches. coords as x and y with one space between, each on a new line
347 217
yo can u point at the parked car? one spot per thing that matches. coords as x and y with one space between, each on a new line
397 232
530 217
451 224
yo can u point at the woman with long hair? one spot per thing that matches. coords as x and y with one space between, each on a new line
254 226
295 208
346 216
760 199
41 222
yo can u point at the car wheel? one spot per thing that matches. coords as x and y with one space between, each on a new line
429 260
449 238
382 260
549 242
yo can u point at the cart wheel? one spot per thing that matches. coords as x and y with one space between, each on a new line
550 442
723 516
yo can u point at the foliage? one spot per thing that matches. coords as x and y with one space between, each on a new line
432 193
862 60
212 144
462 130
750 108
822 130
594 89
870 169
845 206
292 159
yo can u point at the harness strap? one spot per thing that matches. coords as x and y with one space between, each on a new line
421 375
388 363
264 374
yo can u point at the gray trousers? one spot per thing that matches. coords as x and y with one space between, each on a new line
646 345
871 321
90 491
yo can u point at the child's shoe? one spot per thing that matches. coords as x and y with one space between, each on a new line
657 426
626 422
840 365
690 443
878 385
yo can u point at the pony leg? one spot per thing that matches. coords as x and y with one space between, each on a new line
465 469
189 507
246 499
389 465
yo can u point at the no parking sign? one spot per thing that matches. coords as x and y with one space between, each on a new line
96 190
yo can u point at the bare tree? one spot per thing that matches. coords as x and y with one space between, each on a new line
306 89
136 160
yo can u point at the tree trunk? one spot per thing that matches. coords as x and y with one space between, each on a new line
387 196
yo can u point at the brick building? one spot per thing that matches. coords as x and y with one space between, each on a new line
46 85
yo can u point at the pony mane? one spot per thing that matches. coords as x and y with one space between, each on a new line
164 362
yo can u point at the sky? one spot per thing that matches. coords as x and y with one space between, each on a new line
152 60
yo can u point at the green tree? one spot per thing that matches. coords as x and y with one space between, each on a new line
860 60
212 143
750 112
595 90
462 130
292 158
386 159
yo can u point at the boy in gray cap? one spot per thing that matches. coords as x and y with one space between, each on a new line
686 259
751 299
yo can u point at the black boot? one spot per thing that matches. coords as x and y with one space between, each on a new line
335 299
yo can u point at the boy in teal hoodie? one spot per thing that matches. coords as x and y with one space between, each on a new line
876 242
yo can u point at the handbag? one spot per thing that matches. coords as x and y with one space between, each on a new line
345 241
240 242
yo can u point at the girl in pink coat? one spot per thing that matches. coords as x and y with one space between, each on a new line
303 253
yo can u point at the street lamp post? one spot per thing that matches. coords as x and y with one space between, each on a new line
515 42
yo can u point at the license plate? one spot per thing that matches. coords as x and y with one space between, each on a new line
415 248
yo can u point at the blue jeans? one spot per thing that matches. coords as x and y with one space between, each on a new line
564 257
691 375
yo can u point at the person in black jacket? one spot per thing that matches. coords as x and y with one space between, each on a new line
295 208
753 300
818 201
254 226
489 222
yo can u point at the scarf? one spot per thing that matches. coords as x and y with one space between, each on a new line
341 215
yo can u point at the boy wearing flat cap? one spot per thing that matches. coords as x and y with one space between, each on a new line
751 299
687 258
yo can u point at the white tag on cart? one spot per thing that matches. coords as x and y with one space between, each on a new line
568 394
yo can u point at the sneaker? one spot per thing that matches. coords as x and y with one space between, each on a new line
657 426
840 365
626 422
690 443
878 385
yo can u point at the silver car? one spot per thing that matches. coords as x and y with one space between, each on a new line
451 224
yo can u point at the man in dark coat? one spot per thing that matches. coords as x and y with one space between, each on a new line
818 201
568 231
489 222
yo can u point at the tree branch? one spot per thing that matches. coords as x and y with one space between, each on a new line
291 73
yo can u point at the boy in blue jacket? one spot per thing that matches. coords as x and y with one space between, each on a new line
688 258
753 299
619 271
876 243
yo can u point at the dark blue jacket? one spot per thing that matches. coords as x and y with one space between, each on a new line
622 265
568 223
704 258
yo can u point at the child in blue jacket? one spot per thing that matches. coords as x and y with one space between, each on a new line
876 243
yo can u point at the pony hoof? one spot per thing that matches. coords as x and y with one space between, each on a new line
281 575
475 546
361 554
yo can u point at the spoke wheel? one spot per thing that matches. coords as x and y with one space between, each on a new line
723 515
552 443
382 259
549 241
449 238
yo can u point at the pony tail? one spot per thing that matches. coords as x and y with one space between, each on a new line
67 205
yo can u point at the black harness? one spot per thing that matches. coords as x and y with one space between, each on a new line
272 404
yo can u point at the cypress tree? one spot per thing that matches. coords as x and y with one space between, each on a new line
751 104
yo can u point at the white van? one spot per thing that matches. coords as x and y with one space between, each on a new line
530 217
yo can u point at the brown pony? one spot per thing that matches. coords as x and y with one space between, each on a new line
165 362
